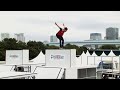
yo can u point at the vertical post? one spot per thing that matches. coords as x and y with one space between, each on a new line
112 67
101 66
30 69
81 59
86 73
119 63
101 63
87 60
94 60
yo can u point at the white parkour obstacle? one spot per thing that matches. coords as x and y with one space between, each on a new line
17 57
66 58
58 64
61 58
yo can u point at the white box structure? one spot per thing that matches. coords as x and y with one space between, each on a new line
17 57
25 54
64 58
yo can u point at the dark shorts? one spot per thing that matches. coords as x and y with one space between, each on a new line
59 37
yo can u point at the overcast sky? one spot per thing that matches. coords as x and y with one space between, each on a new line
39 25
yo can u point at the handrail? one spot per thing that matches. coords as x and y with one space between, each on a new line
59 73
12 68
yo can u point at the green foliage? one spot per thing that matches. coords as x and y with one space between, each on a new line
2 55
34 47
69 46
49 47
111 47
33 53
9 44
21 45
118 47
83 49
79 50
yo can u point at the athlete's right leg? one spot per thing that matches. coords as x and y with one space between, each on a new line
61 41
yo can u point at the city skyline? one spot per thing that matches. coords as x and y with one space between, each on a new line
39 25
53 38
17 36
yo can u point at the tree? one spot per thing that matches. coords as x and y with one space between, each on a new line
111 47
2 55
49 47
35 48
84 49
118 47
69 46
9 44
21 45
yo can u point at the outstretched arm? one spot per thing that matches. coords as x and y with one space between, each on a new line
57 25
63 25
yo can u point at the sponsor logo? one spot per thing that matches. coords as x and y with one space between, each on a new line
14 56
57 57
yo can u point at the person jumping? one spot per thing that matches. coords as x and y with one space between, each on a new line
60 33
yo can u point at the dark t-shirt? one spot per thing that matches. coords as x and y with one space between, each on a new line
60 32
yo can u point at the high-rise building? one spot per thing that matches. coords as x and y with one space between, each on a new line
4 35
45 42
20 37
112 33
53 39
95 36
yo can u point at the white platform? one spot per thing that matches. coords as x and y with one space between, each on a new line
15 75
6 68
64 58
49 72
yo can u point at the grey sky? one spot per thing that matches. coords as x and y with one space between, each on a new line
39 25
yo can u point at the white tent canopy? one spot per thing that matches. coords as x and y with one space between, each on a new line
87 53
103 54
40 59
94 54
111 53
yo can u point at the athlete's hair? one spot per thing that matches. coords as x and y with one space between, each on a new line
66 28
